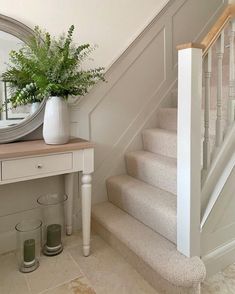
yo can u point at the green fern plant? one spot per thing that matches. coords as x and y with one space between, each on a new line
47 66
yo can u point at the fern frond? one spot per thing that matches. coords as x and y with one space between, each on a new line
46 66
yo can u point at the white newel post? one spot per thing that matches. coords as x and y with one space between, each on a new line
189 151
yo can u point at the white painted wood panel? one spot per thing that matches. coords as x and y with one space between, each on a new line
190 19
189 151
118 108
220 225
218 234
217 175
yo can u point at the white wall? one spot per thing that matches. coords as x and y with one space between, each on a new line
112 24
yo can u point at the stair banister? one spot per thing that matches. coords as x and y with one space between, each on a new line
194 65
188 149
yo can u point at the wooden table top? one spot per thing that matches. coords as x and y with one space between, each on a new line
38 147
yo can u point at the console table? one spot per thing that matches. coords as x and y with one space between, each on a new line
23 161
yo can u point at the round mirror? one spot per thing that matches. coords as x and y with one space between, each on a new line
15 122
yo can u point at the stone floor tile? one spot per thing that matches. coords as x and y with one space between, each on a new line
77 286
108 272
103 272
53 271
73 240
11 280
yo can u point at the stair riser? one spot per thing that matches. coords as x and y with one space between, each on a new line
153 173
160 143
167 119
159 220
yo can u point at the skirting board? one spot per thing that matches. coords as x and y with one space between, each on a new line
220 258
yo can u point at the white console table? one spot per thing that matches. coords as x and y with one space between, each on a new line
29 160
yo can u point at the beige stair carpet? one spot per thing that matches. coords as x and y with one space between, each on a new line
167 119
167 269
152 206
140 218
160 141
155 169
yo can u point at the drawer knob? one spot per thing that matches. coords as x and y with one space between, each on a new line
39 166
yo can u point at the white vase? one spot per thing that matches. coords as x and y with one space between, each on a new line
56 127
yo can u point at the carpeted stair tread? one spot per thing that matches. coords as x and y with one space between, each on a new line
152 206
154 169
156 251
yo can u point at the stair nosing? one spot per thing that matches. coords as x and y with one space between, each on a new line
173 277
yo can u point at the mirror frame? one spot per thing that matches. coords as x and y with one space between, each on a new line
22 32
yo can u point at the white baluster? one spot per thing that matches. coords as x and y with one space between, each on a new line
231 99
220 54
206 142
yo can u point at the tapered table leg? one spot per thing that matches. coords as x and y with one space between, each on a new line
86 212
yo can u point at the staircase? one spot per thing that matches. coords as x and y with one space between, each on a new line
153 213
140 216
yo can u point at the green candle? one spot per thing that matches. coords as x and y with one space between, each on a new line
53 235
29 252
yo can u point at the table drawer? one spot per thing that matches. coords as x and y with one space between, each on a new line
33 166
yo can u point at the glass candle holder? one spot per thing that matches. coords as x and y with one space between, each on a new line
29 236
53 222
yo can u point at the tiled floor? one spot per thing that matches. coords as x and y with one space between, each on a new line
103 272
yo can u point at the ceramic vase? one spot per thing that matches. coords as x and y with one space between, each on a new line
56 121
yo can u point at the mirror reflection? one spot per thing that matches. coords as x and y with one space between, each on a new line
9 115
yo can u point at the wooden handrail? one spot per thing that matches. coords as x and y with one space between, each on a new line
217 28
190 45
215 31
